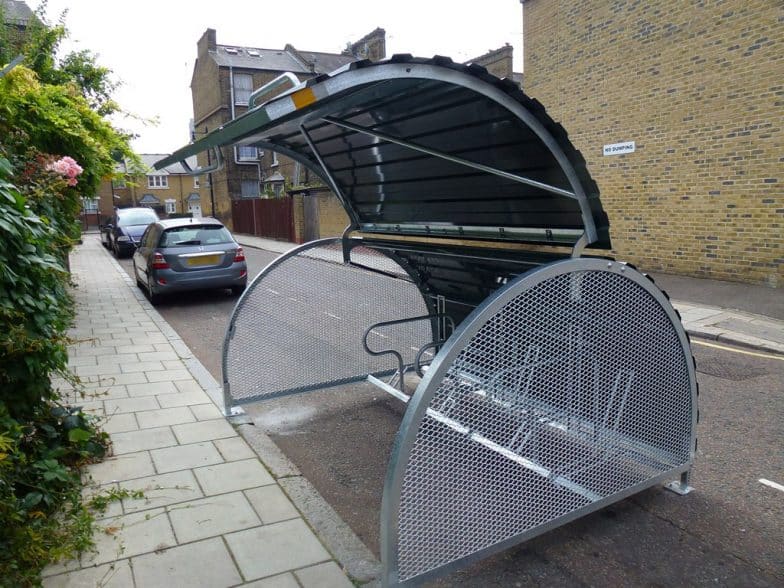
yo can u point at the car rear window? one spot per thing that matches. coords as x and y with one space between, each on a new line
195 235
136 217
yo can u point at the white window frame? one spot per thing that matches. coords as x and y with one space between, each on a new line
171 206
157 182
243 88
275 162
247 156
197 182
89 205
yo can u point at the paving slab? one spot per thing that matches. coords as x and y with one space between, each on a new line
183 457
120 423
162 417
287 546
234 448
151 389
326 575
161 490
133 441
286 580
231 476
112 575
131 534
121 467
206 563
211 516
271 504
204 431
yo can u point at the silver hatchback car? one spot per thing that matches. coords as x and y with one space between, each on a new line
176 255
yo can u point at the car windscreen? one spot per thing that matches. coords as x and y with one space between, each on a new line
136 217
195 235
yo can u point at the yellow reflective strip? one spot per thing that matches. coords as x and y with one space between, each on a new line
735 350
303 97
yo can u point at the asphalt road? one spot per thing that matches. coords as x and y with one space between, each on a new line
728 532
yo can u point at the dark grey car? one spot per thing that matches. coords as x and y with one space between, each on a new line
121 234
176 255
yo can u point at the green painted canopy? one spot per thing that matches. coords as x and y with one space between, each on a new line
428 147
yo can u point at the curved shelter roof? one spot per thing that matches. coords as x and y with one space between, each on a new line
429 147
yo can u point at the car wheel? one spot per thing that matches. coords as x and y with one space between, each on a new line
116 250
237 290
153 296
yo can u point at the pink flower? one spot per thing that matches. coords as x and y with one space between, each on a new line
67 167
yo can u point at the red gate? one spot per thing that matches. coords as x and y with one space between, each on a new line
271 218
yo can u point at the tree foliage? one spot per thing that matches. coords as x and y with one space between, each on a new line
55 147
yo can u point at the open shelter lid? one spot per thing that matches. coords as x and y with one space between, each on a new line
428 147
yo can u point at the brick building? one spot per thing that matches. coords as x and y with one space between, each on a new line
168 191
223 78
15 17
697 86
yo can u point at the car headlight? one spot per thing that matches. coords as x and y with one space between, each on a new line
123 238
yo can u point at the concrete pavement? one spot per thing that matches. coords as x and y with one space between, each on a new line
709 309
212 513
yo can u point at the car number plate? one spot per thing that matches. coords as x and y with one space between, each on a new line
202 260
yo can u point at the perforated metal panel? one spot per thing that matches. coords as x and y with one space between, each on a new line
300 323
567 390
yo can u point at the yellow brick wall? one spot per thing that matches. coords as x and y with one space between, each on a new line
333 219
699 86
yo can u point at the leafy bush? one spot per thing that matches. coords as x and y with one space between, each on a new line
44 518
35 307
55 147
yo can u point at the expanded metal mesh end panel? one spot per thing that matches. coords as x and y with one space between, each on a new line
300 324
571 388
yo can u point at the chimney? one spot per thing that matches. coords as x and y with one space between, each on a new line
372 46
207 43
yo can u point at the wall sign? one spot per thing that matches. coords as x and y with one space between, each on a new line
619 148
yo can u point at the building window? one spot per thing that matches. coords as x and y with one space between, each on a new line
277 188
171 206
90 205
196 182
243 87
157 181
250 189
245 153
119 183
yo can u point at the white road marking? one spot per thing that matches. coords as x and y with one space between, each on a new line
771 484
275 292
380 334
334 316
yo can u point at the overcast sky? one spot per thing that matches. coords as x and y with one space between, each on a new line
151 45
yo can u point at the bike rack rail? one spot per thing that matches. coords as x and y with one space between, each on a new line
559 380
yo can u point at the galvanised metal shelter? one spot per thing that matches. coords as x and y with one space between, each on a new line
553 381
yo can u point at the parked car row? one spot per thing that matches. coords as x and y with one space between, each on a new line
176 255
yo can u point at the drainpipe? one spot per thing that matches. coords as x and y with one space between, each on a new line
209 179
